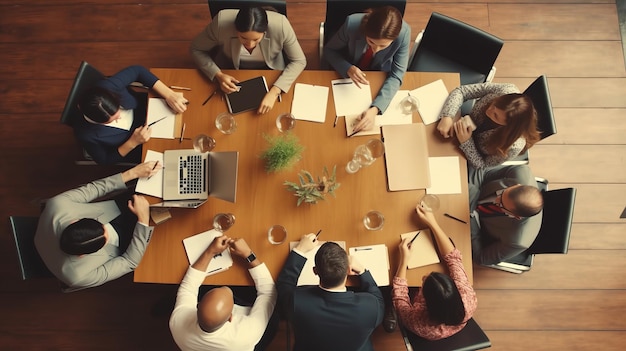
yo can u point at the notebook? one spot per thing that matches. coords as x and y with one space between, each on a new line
166 128
307 277
190 175
249 96
393 115
406 156
423 250
376 259
197 244
309 102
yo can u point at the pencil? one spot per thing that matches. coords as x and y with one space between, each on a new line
182 133
209 98
415 237
342 83
179 88
158 120
335 124
318 233
155 164
456 219
353 133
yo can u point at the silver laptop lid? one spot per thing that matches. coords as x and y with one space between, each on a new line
223 170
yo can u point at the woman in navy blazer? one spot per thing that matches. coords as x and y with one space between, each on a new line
382 35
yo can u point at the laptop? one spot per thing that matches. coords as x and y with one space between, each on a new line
190 177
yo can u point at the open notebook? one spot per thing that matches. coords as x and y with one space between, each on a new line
197 244
423 250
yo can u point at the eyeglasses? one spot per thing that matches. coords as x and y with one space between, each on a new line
500 204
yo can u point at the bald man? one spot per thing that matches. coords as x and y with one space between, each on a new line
216 322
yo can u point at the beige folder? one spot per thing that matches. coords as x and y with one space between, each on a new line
406 156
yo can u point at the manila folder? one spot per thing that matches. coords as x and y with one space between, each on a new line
406 156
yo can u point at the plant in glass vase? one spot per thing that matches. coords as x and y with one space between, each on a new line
309 190
283 151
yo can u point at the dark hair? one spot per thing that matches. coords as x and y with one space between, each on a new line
521 121
443 299
83 237
527 199
99 104
382 23
331 264
251 19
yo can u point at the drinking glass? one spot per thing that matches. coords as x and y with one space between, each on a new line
409 104
223 221
225 123
203 143
374 220
277 234
285 122
430 202
365 155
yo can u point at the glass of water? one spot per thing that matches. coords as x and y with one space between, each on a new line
276 234
223 221
203 143
373 220
285 122
430 202
225 123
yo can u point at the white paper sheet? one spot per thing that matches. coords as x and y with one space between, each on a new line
307 277
350 99
422 250
393 115
309 102
376 259
445 175
197 244
152 186
124 122
157 109
431 98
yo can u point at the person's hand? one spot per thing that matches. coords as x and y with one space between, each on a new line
367 120
445 126
357 76
227 82
405 251
307 243
146 169
218 245
428 217
463 131
267 103
240 248
140 207
141 135
177 102
356 267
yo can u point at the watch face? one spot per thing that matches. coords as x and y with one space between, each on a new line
251 258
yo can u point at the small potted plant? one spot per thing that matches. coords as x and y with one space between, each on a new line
283 152
309 190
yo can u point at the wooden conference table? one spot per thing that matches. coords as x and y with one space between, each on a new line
262 199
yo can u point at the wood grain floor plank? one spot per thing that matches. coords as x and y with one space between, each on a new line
600 125
556 340
601 236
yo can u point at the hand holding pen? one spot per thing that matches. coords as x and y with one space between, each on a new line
307 243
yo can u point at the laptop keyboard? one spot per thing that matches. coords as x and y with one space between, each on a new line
191 174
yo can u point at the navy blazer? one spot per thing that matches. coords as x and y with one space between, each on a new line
99 140
346 47
324 320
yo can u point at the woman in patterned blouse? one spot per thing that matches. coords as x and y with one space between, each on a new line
506 123
445 303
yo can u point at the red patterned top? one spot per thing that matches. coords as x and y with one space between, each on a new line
414 316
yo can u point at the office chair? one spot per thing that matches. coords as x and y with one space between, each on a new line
31 265
539 93
449 45
338 10
471 337
553 237
216 6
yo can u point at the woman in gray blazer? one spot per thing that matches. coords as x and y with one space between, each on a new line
250 38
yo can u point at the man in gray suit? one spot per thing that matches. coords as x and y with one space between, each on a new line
85 243
506 210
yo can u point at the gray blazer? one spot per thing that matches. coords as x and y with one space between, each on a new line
500 237
346 47
108 263
221 33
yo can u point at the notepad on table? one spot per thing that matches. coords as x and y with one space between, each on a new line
309 102
376 259
307 277
431 98
392 116
164 128
251 93
152 186
423 251
197 244
445 175
350 99
406 156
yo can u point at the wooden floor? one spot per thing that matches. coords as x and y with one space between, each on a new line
567 302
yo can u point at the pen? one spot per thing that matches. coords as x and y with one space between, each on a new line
213 271
280 98
179 88
342 83
335 124
158 120
186 102
353 133
415 237
363 249
456 219
318 233
209 98
153 168
182 133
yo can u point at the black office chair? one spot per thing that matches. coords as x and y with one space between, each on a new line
471 337
216 6
31 265
338 10
553 237
449 45
86 77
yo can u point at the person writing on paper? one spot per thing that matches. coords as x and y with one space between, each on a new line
217 322
86 244
377 40
505 120
328 316
445 302
113 125
249 38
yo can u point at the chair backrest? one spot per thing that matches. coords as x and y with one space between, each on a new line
458 46
338 10
472 337
86 77
558 213
31 265
539 93
216 6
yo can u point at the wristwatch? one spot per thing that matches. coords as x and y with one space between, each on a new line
251 258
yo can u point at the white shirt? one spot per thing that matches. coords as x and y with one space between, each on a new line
253 60
241 334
